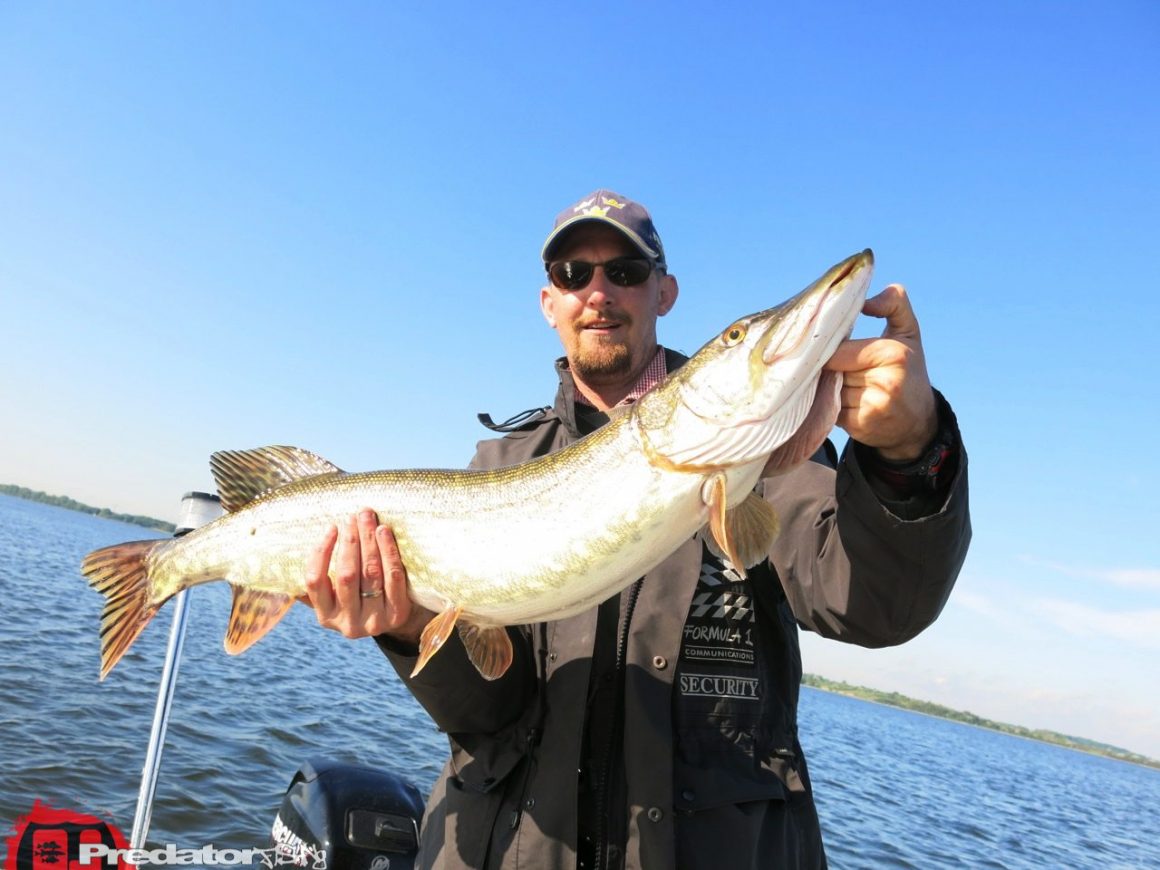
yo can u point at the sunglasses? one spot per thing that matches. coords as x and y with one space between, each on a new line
621 271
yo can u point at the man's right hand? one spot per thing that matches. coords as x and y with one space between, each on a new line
367 561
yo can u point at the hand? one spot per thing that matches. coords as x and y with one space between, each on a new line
887 401
367 560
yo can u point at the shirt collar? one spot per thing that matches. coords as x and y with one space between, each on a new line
653 374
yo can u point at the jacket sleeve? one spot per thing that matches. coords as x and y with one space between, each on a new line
854 570
453 693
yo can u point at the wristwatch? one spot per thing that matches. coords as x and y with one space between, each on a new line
934 467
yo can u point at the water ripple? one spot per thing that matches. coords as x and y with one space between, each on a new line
943 794
894 789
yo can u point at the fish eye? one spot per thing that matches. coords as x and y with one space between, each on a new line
734 334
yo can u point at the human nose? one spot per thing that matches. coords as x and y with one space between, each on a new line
600 290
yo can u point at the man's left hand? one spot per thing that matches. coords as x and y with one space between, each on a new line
887 401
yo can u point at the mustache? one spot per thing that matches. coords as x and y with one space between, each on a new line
620 318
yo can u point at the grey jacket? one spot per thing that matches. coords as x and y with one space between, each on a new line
712 772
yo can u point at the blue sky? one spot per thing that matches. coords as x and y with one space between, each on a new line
228 225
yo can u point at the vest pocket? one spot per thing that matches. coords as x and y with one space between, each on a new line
743 815
470 820
702 788
483 774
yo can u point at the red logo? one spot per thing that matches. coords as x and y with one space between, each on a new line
50 839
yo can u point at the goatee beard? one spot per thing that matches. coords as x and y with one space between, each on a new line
602 362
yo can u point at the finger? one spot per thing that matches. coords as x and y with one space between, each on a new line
852 397
847 418
894 304
372 561
348 568
856 355
319 591
864 354
397 600
858 378
856 417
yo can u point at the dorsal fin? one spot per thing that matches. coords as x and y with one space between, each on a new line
244 475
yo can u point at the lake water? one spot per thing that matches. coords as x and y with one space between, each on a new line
894 788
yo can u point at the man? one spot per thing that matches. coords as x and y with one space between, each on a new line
660 729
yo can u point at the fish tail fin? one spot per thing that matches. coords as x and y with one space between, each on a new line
121 574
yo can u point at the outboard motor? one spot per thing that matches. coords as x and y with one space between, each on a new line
345 817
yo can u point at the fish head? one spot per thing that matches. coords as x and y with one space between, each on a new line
751 388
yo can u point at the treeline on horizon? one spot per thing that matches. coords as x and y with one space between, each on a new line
894 699
73 505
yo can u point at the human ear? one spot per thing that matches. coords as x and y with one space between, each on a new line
667 295
547 306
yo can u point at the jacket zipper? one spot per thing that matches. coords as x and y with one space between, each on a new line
603 783
535 732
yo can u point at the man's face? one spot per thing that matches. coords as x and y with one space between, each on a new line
608 332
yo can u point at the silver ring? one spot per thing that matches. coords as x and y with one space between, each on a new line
374 594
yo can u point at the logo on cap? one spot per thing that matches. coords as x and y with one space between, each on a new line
629 217
589 208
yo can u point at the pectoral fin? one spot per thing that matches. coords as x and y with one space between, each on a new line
713 493
490 649
434 635
743 534
254 613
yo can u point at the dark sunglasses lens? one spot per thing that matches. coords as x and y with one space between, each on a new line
570 274
627 271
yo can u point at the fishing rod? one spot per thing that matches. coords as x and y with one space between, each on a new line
197 509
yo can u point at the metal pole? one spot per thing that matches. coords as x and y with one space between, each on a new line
197 508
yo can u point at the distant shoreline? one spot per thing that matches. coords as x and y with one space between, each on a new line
894 699
890 699
71 504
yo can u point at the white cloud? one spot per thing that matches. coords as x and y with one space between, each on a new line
976 603
1139 578
1007 616
1041 661
1060 684
1138 627
1016 613
1131 578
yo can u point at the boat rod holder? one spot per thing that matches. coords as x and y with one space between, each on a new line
197 509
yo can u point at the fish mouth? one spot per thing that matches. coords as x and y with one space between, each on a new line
826 310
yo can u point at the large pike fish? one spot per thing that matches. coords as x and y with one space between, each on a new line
531 542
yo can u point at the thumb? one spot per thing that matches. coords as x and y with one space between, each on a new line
894 305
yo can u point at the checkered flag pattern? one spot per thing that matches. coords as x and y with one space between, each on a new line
718 573
721 605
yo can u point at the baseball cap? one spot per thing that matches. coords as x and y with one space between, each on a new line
606 206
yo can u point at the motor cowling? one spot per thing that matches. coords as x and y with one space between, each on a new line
345 817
